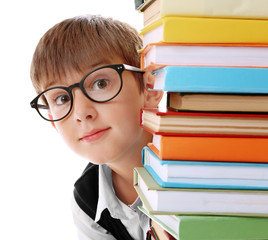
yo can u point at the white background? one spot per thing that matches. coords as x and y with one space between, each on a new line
37 170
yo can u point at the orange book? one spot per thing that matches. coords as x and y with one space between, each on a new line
196 148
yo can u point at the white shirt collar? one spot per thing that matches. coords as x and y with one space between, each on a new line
108 199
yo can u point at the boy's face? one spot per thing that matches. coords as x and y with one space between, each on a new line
104 132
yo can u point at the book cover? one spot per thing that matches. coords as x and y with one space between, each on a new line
224 149
141 4
168 121
211 227
205 30
216 102
234 80
202 174
138 4
157 55
162 201
205 8
159 232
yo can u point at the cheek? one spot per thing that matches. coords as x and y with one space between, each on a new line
66 133
128 124
128 111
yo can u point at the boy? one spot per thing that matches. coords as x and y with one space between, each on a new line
85 72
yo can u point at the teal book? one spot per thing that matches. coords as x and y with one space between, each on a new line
201 174
195 227
212 79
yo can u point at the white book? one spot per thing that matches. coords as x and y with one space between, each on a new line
248 9
159 200
225 55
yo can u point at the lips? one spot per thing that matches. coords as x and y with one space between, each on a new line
94 135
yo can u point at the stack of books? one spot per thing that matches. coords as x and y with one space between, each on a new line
205 173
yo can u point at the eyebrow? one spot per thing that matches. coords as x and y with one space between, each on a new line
99 63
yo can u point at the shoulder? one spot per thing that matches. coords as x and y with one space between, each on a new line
94 198
84 205
87 228
86 192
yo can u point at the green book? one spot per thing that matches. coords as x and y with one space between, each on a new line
193 227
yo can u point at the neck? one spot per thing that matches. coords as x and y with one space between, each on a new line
123 171
124 189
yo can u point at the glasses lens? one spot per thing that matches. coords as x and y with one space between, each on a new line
102 84
54 104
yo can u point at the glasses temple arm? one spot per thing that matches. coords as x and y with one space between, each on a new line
40 106
130 68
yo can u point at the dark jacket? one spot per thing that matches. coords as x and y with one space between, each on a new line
86 194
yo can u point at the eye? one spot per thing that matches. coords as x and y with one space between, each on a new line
60 100
100 84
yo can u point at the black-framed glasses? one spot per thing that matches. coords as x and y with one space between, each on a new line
100 85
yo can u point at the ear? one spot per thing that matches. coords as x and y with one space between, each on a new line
151 98
52 123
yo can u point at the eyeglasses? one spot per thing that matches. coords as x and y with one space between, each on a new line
100 85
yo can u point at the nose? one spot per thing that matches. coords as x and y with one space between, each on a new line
83 108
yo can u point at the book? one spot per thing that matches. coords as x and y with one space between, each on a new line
225 149
159 232
205 30
155 9
162 201
138 4
216 102
235 80
168 121
211 227
202 174
158 55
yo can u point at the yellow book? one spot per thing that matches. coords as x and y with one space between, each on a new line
155 9
205 30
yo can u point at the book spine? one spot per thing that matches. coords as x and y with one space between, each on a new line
216 8
212 149
212 79
208 30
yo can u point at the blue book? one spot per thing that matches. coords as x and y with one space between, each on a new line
212 80
208 175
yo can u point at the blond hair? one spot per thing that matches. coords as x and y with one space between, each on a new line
74 43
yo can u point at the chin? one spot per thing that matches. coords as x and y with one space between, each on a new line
96 160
